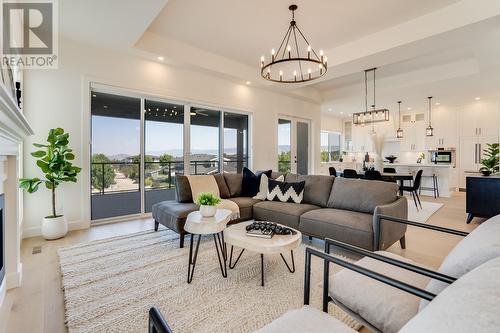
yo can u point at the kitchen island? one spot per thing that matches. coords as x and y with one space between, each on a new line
447 176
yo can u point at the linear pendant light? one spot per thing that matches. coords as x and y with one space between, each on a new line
399 132
370 116
429 131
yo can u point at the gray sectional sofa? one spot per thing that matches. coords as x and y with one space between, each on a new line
337 208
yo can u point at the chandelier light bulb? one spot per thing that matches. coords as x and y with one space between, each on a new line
281 75
272 55
295 75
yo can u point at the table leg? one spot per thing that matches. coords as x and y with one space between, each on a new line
192 260
262 270
401 182
291 270
231 265
219 247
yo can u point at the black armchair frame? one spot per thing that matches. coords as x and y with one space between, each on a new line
157 324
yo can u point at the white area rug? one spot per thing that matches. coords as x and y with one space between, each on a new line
109 286
422 215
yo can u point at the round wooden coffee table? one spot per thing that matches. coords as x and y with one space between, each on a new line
215 225
235 235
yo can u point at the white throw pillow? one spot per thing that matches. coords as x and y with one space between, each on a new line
263 186
478 247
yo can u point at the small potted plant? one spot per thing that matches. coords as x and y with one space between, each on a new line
54 159
489 164
208 203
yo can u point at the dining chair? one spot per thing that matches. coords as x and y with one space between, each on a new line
389 170
373 175
350 173
413 189
332 171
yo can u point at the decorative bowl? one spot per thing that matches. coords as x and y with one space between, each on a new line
391 158
486 172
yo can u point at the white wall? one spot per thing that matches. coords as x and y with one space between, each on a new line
332 124
59 98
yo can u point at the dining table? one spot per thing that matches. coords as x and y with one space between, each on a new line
389 176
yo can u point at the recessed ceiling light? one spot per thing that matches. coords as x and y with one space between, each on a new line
409 109
330 109
248 82
341 112
478 98
437 103
161 58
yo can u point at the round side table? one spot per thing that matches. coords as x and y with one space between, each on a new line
215 225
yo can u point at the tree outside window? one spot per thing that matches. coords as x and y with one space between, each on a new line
330 146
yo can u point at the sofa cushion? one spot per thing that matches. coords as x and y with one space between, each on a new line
343 225
385 307
317 188
285 213
183 189
221 183
285 191
306 320
246 207
251 182
264 186
172 214
470 304
361 195
234 181
479 246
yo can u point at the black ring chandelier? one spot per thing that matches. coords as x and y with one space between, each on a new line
290 65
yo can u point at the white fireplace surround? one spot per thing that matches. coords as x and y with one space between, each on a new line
13 129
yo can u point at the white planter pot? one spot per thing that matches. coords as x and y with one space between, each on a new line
208 211
54 227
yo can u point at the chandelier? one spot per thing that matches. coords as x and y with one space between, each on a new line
374 115
295 60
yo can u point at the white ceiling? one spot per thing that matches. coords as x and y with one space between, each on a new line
245 30
445 48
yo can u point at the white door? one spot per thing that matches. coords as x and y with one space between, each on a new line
293 145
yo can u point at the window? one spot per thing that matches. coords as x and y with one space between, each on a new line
139 143
235 142
330 146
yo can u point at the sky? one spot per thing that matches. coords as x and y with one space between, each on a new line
113 136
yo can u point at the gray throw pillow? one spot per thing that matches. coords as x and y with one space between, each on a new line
361 195
221 183
183 189
317 188
234 181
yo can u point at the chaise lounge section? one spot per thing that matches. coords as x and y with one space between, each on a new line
336 208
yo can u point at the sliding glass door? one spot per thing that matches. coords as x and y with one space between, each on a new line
139 145
163 150
115 155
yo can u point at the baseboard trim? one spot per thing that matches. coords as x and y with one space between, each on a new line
37 230
13 280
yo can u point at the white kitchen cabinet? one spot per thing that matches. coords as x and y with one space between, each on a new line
361 138
413 126
444 122
480 119
471 153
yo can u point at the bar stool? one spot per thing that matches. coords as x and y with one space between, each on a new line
435 186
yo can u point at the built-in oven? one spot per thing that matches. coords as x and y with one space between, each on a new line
443 156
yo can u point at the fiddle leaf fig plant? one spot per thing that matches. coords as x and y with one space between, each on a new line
54 159
490 160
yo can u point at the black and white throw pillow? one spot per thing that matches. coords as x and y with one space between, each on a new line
285 192
251 181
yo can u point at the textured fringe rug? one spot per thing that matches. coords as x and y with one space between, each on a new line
109 286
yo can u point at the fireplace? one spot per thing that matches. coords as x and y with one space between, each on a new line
2 239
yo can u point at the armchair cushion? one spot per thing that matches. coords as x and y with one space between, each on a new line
478 247
306 320
385 307
470 304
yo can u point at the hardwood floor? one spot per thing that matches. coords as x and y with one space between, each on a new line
38 306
